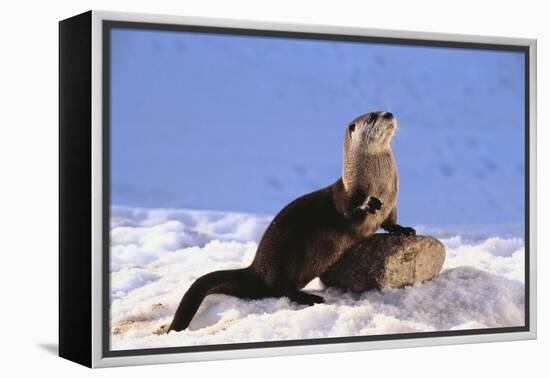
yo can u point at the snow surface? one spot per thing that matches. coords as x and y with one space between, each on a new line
157 254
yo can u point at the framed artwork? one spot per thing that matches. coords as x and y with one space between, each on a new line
232 189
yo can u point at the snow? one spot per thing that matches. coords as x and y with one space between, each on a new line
156 254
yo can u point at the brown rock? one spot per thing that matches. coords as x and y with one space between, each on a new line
385 260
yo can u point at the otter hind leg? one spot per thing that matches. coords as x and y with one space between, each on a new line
304 298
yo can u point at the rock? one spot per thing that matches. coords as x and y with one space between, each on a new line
385 260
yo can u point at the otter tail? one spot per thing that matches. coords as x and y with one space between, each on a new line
241 283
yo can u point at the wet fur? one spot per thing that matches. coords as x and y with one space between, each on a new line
312 232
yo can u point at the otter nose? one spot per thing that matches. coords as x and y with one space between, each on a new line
387 115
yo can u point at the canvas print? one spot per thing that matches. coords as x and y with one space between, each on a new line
266 188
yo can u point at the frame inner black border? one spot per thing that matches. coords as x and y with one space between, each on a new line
108 25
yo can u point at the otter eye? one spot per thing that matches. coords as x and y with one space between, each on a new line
371 118
352 128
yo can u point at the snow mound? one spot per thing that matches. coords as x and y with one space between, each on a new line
157 254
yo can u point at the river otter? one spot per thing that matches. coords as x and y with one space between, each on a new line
311 233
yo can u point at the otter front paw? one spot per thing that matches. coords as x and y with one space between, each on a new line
400 230
371 205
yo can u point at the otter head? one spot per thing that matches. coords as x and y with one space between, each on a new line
367 137
371 133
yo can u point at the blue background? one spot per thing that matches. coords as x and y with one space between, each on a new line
239 123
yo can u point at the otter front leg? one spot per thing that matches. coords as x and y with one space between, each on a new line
369 205
391 226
